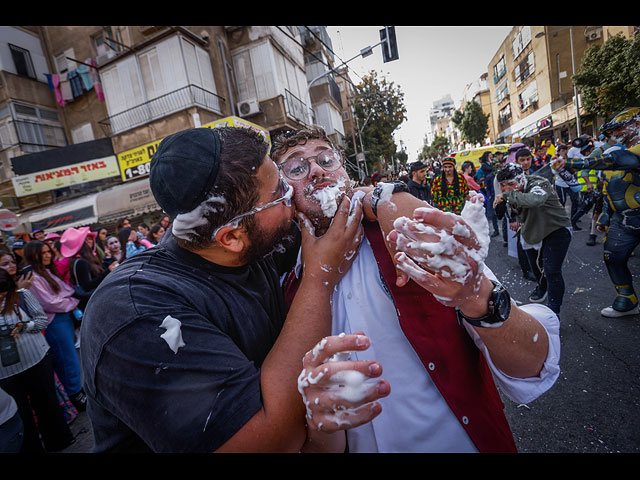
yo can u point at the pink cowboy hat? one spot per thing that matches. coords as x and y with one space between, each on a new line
52 236
72 240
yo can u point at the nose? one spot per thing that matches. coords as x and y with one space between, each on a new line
315 170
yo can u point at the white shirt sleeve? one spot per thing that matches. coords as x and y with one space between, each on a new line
525 390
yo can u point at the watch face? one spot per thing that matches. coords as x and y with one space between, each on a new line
503 304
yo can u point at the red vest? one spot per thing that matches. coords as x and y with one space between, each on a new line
456 366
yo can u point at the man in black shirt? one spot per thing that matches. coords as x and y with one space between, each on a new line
418 186
187 347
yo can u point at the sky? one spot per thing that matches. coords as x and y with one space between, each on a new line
433 62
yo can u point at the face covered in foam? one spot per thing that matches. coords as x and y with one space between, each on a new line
318 193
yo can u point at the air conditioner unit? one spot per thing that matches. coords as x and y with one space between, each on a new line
593 35
248 107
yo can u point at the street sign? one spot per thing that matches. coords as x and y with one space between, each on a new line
8 220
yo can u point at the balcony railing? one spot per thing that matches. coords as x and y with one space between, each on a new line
295 108
161 106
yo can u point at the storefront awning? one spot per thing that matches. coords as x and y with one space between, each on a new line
73 213
128 200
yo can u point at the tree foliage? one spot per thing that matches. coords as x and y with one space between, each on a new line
438 149
380 109
472 123
609 76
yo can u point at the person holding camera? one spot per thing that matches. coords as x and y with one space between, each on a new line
26 369
58 301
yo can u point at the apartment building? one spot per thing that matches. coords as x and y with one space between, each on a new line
325 95
530 81
82 109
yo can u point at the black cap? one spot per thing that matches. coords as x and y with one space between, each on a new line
18 244
184 169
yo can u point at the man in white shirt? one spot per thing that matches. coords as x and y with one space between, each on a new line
426 410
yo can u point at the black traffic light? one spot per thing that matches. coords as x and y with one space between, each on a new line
390 46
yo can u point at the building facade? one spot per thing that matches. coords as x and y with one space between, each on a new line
83 108
530 82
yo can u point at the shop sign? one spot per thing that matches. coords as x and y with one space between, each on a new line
136 163
55 178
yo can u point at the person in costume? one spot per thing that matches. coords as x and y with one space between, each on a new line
427 326
620 217
449 190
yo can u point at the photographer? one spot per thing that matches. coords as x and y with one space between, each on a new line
26 369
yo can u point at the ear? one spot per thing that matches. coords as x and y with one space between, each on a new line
232 239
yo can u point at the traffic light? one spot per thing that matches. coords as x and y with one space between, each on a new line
390 46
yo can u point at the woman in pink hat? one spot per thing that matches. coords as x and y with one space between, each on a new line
57 300
85 267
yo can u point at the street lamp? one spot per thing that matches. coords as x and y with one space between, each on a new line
573 69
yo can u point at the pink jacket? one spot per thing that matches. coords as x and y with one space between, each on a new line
51 301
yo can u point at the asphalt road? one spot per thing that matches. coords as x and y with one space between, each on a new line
594 407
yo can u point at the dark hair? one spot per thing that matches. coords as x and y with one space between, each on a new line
468 164
443 182
153 230
523 152
8 284
509 172
33 257
123 238
242 153
86 253
121 223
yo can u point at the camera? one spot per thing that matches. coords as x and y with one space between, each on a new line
8 348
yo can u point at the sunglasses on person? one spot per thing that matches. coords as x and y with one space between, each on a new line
286 194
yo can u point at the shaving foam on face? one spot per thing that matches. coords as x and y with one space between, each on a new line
328 198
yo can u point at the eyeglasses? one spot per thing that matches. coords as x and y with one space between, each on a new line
297 168
286 192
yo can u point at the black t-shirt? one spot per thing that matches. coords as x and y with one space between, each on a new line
143 395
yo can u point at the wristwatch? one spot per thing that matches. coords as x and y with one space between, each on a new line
377 192
499 309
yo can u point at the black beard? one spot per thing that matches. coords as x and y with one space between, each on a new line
263 244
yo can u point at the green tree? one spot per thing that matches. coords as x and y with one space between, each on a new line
472 123
437 150
609 76
380 109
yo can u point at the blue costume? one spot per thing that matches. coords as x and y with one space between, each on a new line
621 211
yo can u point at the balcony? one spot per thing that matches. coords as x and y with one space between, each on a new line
172 102
295 108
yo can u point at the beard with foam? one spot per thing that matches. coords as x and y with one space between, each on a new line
264 242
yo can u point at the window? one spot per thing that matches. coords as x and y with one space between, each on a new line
524 69
37 128
63 64
22 61
502 91
158 81
521 40
499 69
528 96
504 115
257 74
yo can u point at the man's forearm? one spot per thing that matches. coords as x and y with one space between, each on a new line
519 347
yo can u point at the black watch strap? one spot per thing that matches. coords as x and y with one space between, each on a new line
499 309
377 193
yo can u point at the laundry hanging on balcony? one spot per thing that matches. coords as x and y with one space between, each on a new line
75 83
